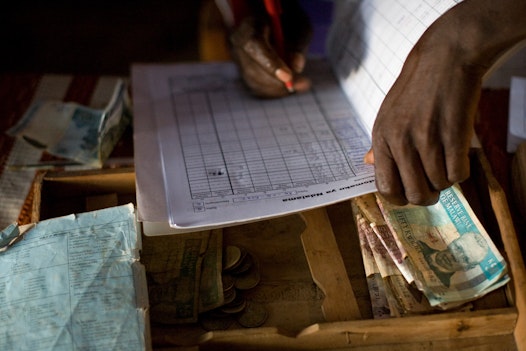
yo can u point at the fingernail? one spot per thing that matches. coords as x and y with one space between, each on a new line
286 78
283 75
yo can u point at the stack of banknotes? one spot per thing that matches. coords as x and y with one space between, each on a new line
420 259
74 132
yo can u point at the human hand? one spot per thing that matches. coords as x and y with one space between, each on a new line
423 130
422 133
265 73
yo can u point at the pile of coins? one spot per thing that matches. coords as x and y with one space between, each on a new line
240 273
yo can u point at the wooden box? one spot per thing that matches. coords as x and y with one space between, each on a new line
312 279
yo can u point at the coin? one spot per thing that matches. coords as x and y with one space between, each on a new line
240 259
243 266
254 315
229 296
228 282
249 279
231 257
235 306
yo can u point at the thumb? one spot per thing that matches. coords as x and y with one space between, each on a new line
369 157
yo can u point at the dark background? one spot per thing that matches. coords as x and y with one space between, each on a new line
101 37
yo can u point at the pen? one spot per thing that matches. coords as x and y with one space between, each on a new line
273 8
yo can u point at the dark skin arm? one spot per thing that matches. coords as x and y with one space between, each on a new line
422 133
423 130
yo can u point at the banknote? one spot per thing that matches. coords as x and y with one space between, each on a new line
173 269
380 304
454 258
73 131
368 207
12 234
211 282
404 297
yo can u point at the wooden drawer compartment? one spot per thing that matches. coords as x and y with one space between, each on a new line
313 284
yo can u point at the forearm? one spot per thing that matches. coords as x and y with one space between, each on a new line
482 30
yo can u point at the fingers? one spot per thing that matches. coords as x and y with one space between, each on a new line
262 69
422 135
260 82
401 176
265 73
457 164
388 181
435 169
408 172
369 157
298 62
457 140
252 39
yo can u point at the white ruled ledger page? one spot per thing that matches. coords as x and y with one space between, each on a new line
228 158
369 42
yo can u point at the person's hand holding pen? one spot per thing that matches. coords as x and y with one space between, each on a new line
269 40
